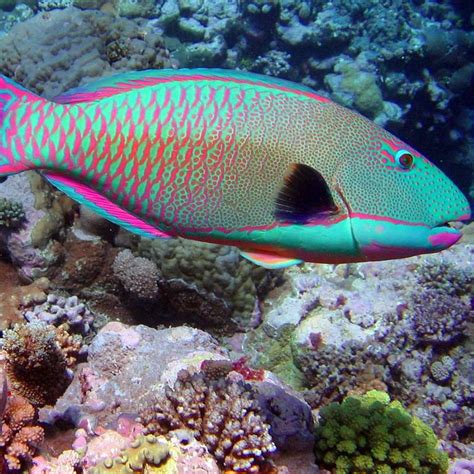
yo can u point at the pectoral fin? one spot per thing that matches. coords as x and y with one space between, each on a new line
267 260
305 194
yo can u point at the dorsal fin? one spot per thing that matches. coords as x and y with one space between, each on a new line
304 195
125 82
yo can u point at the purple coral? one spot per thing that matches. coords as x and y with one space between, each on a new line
57 310
462 466
439 317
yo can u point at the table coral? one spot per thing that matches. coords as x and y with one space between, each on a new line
222 414
19 436
35 364
372 434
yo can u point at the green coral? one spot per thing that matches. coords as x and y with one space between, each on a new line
146 454
371 434
11 213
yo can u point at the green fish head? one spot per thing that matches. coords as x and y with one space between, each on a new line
400 204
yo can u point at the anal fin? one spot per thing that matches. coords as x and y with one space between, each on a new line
103 206
270 261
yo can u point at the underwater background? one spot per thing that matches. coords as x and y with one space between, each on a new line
120 354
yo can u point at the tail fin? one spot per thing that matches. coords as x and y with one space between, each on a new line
12 97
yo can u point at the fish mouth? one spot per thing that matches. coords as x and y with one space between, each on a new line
446 233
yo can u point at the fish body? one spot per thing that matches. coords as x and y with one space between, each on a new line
233 158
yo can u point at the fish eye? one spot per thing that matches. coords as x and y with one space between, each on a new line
405 159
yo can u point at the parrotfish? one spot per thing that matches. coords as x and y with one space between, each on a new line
233 158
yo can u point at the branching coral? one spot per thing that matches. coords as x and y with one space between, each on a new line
222 414
438 317
68 462
371 434
144 453
35 363
70 344
11 213
19 436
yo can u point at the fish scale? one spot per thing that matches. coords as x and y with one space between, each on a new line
235 158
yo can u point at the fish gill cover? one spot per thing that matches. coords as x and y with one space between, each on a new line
100 325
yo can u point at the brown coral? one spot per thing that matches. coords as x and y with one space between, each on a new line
35 364
14 297
222 414
70 344
20 436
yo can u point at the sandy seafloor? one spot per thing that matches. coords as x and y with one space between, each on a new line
121 354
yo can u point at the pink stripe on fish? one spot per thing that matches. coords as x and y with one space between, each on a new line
386 219
111 208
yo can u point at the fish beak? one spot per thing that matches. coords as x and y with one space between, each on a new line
445 234
442 237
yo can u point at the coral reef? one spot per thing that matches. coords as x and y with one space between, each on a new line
144 453
221 413
14 297
68 462
34 247
138 275
57 310
209 284
35 363
403 327
20 436
372 434
335 332
62 58
120 354
11 213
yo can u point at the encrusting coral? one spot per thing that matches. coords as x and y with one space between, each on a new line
144 454
372 434
35 364
19 435
222 414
